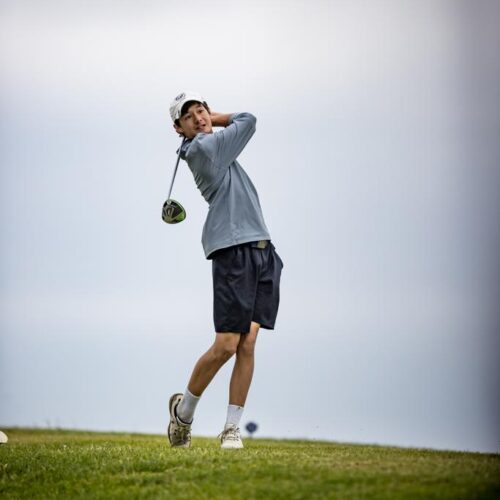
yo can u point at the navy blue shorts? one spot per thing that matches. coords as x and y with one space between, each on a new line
246 283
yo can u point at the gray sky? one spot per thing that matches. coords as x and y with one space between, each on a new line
376 159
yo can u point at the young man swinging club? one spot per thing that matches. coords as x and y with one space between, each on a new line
246 268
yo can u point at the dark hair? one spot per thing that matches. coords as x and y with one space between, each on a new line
186 106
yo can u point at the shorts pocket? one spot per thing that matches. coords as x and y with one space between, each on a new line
224 260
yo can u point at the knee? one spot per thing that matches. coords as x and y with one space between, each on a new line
225 351
246 349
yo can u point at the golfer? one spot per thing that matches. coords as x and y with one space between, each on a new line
246 269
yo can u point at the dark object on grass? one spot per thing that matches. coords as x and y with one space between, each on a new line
251 427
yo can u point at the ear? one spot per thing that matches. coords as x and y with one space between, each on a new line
179 130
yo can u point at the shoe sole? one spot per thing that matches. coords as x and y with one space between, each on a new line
231 447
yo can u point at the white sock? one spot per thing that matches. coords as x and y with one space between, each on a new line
234 413
185 410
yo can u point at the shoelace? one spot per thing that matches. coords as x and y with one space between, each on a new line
232 434
182 434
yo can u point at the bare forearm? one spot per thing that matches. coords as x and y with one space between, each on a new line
220 119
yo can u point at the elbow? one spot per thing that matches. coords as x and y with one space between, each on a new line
253 119
248 118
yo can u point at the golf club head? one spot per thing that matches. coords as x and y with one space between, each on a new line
173 212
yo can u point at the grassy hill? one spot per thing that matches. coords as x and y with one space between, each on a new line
68 464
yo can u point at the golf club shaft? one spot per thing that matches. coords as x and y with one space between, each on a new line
175 169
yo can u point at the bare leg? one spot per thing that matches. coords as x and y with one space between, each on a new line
241 377
208 365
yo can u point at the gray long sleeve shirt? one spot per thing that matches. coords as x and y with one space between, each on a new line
234 212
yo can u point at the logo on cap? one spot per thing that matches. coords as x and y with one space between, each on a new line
180 96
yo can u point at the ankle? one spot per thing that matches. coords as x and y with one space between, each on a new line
234 413
187 406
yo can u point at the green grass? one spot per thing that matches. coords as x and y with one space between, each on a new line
69 464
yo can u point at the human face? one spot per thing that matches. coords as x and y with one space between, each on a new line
196 120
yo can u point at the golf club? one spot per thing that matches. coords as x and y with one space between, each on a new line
173 212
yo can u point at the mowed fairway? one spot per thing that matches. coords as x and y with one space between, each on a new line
68 464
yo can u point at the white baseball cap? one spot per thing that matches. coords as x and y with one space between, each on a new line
180 100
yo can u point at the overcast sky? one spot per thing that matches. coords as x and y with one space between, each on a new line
377 163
